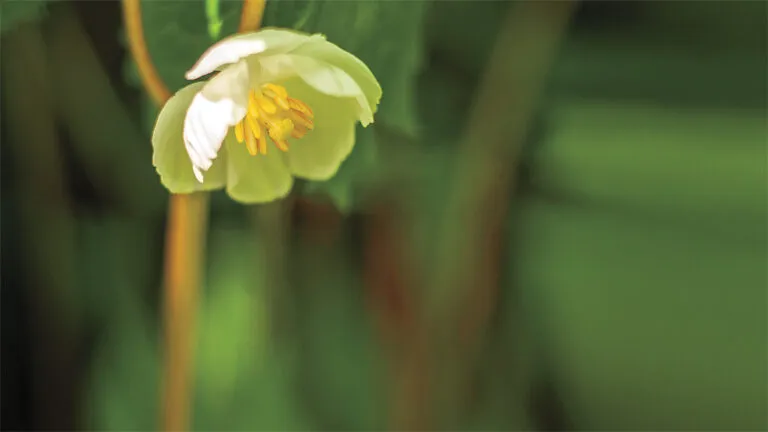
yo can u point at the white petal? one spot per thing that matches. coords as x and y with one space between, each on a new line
221 104
169 155
233 48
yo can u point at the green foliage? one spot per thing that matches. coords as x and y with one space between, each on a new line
637 242
14 13
241 383
360 168
125 374
386 35
343 372
177 34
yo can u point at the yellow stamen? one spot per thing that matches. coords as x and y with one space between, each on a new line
253 109
282 103
266 104
272 113
263 146
251 142
276 89
286 127
239 132
302 120
300 106
255 127
298 132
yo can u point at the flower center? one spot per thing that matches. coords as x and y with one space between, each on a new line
271 112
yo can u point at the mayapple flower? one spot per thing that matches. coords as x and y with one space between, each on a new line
282 104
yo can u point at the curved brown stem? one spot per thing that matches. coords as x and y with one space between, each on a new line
183 254
138 46
251 15
185 245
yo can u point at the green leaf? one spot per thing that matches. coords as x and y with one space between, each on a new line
242 382
386 35
177 33
343 375
125 373
14 13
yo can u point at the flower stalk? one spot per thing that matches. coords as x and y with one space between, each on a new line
184 255
185 245
463 283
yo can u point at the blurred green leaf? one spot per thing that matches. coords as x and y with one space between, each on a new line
387 36
640 255
241 384
177 33
678 162
669 316
343 365
231 326
125 373
358 169
116 265
15 12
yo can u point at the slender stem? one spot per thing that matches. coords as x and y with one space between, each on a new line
214 18
154 85
183 254
82 92
498 123
395 311
185 245
185 238
41 204
251 15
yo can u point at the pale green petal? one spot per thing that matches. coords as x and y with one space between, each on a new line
354 67
231 49
318 155
324 77
256 179
321 75
170 157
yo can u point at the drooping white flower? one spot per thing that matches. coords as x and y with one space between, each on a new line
282 104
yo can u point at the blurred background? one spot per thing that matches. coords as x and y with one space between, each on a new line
557 222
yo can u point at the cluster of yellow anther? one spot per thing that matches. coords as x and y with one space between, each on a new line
271 112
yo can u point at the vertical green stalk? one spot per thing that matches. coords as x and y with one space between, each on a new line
184 255
104 139
499 119
214 18
47 225
272 221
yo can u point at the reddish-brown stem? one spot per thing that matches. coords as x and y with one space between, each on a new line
392 304
185 240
